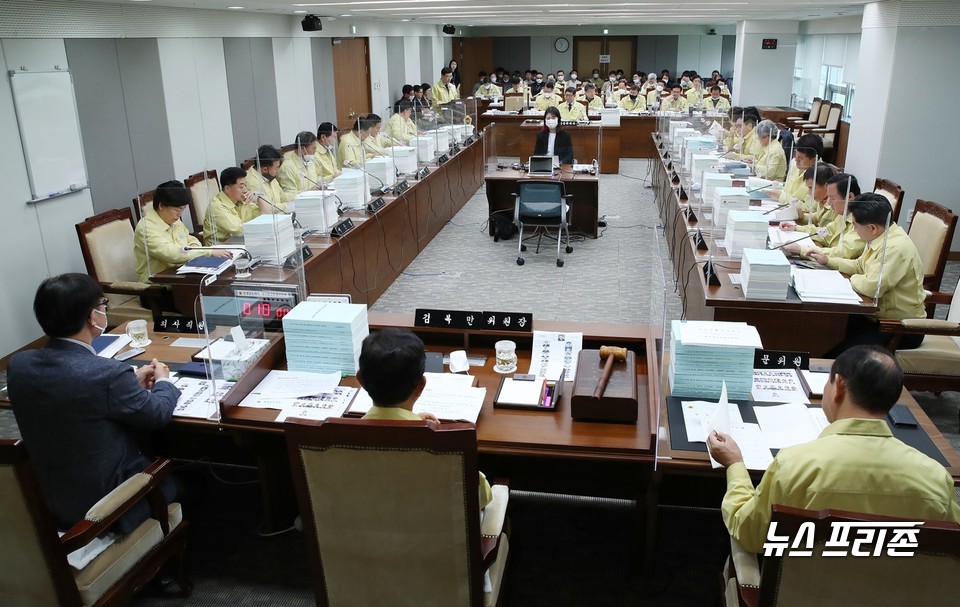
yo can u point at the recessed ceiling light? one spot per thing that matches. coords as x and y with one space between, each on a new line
236 8
404 20
139 0
345 15
299 11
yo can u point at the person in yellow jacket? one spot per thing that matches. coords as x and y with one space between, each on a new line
806 152
675 102
571 109
373 145
836 237
633 102
160 238
400 128
328 164
815 180
351 152
444 91
749 147
890 260
589 94
488 89
716 102
696 92
262 178
232 207
770 163
298 173
546 98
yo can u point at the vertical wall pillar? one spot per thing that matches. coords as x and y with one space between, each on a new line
764 76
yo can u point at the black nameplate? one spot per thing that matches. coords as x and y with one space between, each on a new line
455 148
401 187
375 205
178 324
781 359
508 321
342 228
468 140
447 319
423 172
443 158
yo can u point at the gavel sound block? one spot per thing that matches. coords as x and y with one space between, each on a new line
605 389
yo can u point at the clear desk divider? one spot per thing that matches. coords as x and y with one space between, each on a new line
659 334
426 140
491 159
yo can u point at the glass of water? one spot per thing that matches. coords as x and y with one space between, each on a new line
506 356
242 267
137 331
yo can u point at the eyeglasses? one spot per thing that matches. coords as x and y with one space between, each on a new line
104 302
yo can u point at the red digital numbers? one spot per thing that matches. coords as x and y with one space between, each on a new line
247 308
281 312
265 310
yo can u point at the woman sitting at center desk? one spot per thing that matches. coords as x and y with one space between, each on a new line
552 140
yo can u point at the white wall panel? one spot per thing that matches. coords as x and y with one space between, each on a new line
379 89
198 104
762 76
296 101
411 60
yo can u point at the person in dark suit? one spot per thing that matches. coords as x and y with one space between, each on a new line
552 140
82 417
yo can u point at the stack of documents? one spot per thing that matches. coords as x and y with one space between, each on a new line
453 132
270 237
317 210
726 200
674 125
442 139
448 396
205 265
711 181
765 274
405 159
745 230
679 136
704 354
778 237
382 171
352 188
701 163
325 337
695 146
828 286
426 148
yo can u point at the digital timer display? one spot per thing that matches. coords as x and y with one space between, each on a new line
769 44
264 310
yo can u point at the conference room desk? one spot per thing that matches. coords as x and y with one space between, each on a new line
634 135
585 189
780 114
365 261
789 324
516 137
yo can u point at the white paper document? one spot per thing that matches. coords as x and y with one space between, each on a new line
115 346
293 384
816 381
520 392
361 402
190 342
197 399
721 334
319 407
819 418
786 425
698 414
552 352
756 455
451 403
823 286
778 386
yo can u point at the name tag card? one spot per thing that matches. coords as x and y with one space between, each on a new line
781 359
177 324
508 321
460 319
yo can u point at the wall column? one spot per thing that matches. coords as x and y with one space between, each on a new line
764 76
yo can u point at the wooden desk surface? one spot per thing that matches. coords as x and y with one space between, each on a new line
585 189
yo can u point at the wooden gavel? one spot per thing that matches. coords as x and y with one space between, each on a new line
611 353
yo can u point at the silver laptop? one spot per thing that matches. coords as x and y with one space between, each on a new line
540 166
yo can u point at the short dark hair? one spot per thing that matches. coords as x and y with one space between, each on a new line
714 88
391 365
370 121
552 111
570 89
676 86
633 86
63 303
870 208
483 73
171 194
874 378
445 71
823 173
841 179
304 138
404 105
327 128
425 87
417 87
752 111
515 80
589 85
407 89
267 155
809 145
749 119
548 84
230 175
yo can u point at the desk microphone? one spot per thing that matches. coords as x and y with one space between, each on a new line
763 187
242 251
777 208
793 241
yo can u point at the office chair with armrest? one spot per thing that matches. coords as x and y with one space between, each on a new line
819 122
513 102
788 581
37 572
391 509
141 202
892 192
934 366
542 205
931 230
203 187
810 118
829 130
106 242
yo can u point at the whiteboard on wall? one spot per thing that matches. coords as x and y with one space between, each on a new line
49 132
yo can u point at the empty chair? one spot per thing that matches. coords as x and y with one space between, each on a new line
141 202
829 130
892 192
391 513
203 187
513 102
931 230
542 205
810 118
37 572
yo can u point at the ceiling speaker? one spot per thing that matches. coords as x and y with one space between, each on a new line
449 29
311 23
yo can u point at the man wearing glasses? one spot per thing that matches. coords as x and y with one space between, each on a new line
83 417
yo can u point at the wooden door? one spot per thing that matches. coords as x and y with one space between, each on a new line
472 55
351 79
621 49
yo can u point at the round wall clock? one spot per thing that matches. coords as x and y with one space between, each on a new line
561 44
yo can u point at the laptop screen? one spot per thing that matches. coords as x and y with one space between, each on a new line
540 165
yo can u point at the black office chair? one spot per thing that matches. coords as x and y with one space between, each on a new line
542 205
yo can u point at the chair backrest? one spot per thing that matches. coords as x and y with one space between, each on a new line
290 147
815 109
824 114
542 199
141 202
931 229
246 164
512 102
106 241
892 192
203 187
36 572
834 114
390 509
917 580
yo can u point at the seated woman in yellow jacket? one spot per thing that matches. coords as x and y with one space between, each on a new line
771 162
400 127
806 152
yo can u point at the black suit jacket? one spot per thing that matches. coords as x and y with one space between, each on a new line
82 418
562 146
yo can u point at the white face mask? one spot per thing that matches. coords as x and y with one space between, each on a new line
547 94
103 329
539 79
597 75
659 88
552 123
